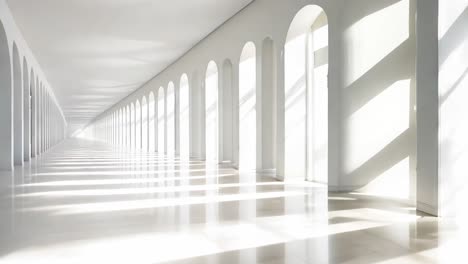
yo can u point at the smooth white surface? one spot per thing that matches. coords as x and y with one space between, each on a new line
352 85
86 202
96 52
17 62
453 93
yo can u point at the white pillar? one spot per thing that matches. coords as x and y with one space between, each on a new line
165 120
202 114
176 117
235 114
428 106
34 118
267 92
279 54
259 105
27 84
18 109
39 119
43 116
226 120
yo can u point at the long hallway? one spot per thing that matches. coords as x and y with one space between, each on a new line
86 202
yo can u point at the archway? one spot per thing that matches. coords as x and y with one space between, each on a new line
144 124
6 97
184 117
170 119
161 121
306 96
211 113
151 123
247 108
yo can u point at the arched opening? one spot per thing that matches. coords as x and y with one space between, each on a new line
6 96
151 123
211 113
170 118
132 127
247 108
184 117
116 125
138 125
144 124
18 107
306 96
26 112
161 121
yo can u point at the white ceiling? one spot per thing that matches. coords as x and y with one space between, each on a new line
95 52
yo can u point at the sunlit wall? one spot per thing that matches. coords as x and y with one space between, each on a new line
378 103
453 107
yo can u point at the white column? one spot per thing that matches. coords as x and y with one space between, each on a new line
18 110
34 119
176 117
279 54
428 106
39 120
27 84
226 120
165 119
47 120
259 105
235 114
267 93
201 86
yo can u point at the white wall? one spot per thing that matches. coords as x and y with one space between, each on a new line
372 119
7 137
453 109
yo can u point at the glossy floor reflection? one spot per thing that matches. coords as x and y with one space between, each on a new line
85 202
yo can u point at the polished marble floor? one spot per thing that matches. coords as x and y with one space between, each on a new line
85 202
